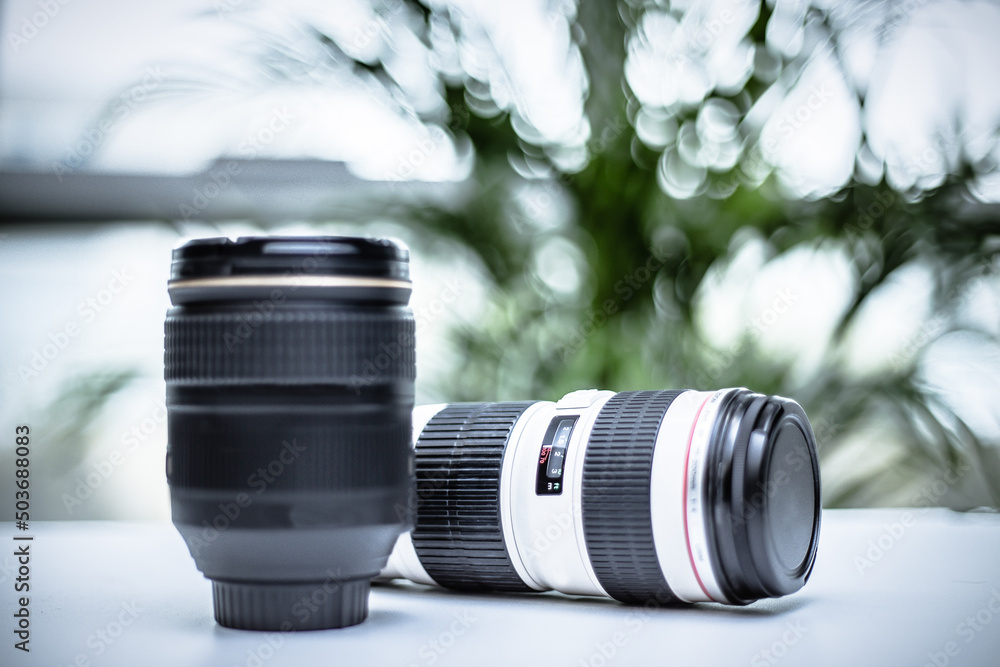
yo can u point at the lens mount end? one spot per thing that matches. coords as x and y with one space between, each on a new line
279 606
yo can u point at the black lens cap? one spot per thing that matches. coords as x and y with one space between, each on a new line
790 514
765 484
262 255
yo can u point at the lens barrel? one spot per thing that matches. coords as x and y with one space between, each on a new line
290 369
664 496
458 531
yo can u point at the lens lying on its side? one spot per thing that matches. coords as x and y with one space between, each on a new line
670 496
290 369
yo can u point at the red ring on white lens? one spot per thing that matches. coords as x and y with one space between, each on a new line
677 485
687 512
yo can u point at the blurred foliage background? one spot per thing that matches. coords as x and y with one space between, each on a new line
653 211
662 194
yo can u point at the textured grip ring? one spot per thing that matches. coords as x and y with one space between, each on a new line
359 347
458 535
617 522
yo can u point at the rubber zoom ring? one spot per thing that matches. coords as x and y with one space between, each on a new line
359 348
617 520
458 535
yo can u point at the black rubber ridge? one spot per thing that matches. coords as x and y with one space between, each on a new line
458 535
617 521
357 347
290 606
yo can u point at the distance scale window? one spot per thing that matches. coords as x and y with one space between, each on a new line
552 457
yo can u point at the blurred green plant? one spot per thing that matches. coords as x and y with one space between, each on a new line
633 323
78 405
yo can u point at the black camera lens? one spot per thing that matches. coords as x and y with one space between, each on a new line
289 365
663 496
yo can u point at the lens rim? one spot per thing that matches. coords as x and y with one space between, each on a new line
270 255
289 267
747 565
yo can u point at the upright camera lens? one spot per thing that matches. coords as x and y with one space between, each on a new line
290 371
663 496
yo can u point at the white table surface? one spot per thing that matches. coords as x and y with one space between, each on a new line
915 603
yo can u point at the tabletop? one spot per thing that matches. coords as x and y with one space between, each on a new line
890 587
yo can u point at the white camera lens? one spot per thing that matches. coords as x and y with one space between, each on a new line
672 496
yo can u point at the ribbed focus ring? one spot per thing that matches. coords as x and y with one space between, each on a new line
258 606
617 523
302 346
458 535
